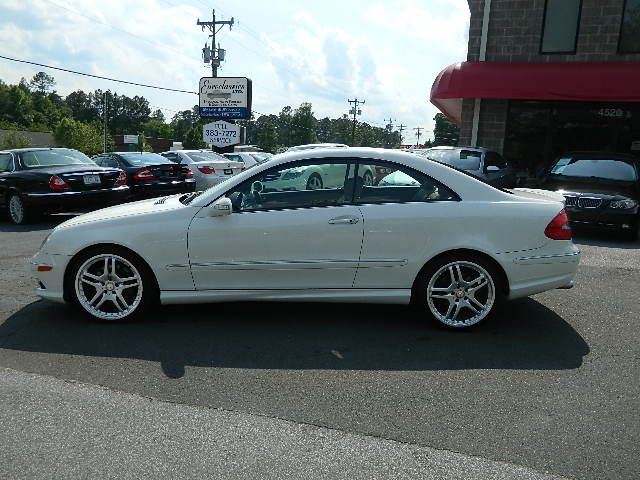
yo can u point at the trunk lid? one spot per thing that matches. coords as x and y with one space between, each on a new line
91 178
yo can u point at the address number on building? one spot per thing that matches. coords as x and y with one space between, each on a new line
221 134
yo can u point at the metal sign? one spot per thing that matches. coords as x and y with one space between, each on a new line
130 139
225 97
221 134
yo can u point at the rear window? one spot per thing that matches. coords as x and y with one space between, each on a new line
204 156
605 169
461 159
137 159
235 158
54 158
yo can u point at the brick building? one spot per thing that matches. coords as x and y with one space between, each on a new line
547 76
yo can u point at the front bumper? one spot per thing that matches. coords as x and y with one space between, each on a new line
608 218
50 282
77 200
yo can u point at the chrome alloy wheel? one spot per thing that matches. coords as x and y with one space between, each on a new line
461 294
16 209
108 286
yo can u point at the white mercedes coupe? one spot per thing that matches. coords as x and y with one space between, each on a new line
443 239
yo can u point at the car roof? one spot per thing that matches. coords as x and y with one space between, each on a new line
32 149
595 155
450 147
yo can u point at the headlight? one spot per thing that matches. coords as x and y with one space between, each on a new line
623 204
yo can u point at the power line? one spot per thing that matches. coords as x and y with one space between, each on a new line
98 76
355 111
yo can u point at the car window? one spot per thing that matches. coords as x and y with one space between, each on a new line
461 159
171 156
493 159
145 158
601 168
385 182
54 158
110 162
6 163
204 156
235 158
296 185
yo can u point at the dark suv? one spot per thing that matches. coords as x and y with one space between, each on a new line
601 189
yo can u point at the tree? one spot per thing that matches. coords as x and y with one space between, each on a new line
13 139
445 132
158 115
41 82
85 137
268 137
193 138
303 125
156 128
182 122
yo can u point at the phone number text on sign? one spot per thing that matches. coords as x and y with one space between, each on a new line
221 133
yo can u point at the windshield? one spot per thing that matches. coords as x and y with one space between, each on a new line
461 159
145 158
618 170
54 158
204 156
260 157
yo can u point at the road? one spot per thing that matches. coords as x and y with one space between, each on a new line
549 385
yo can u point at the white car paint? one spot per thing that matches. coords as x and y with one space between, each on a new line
208 172
249 159
375 255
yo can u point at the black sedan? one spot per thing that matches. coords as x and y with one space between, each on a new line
485 164
601 190
149 174
37 181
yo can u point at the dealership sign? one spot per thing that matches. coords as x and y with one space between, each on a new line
221 134
225 97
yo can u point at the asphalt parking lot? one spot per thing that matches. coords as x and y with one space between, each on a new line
550 384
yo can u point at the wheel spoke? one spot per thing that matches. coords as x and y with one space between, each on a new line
98 294
478 287
105 270
121 299
480 278
102 300
452 304
458 308
471 307
459 272
473 299
453 276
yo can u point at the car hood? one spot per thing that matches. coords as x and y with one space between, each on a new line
605 188
143 207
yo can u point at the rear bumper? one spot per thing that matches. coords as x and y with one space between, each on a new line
157 189
80 200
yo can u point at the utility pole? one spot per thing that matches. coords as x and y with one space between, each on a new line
104 121
355 111
387 132
213 54
401 127
418 130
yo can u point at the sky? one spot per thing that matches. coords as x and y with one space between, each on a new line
324 52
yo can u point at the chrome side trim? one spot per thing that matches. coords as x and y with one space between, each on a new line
122 188
291 264
554 258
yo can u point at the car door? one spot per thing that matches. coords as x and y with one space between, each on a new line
6 169
402 211
280 235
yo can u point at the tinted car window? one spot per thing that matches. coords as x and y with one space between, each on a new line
235 158
6 165
461 159
137 159
396 184
54 158
607 169
204 156
297 185
493 159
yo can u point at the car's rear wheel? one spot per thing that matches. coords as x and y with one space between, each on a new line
112 284
18 211
460 291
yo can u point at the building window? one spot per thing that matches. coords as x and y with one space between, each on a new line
560 26
630 30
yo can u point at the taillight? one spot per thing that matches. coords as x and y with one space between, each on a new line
558 228
188 173
56 183
144 174
207 170
122 179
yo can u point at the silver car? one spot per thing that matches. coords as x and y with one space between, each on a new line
209 167
249 158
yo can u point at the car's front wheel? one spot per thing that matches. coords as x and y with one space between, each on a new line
111 284
18 211
459 291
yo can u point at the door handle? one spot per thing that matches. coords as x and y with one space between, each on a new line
344 221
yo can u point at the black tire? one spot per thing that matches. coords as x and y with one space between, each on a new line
17 211
317 178
150 295
438 272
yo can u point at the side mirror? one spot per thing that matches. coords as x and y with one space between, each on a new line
491 168
221 207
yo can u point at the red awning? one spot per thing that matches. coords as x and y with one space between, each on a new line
577 81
